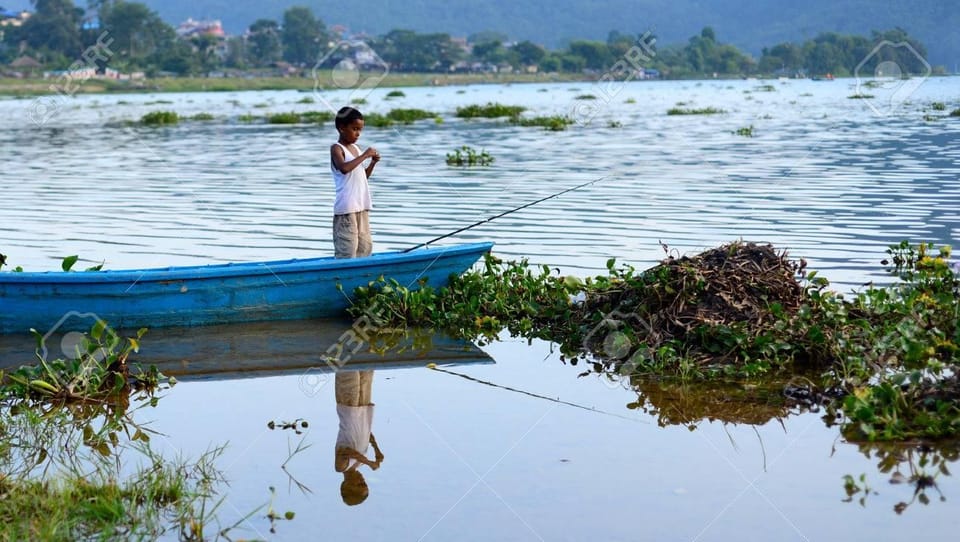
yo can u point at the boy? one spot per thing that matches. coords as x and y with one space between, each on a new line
351 208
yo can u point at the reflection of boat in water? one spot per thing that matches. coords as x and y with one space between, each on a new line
277 348
215 294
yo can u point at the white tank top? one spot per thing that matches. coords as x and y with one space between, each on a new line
352 190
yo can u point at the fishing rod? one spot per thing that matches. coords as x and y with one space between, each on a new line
505 213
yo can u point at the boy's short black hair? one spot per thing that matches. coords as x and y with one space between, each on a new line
346 115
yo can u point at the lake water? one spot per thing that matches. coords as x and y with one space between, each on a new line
824 176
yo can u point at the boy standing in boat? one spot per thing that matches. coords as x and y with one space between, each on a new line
351 208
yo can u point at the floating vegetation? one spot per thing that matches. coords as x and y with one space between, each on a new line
377 120
765 88
585 97
395 94
932 118
409 116
630 101
806 95
261 105
284 118
158 102
614 124
358 101
884 361
306 100
860 96
938 106
955 113
695 111
317 117
746 131
158 118
247 118
98 372
468 156
554 123
202 117
490 111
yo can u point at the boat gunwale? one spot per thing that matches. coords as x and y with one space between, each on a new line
241 269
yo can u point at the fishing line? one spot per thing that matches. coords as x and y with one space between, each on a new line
551 399
505 213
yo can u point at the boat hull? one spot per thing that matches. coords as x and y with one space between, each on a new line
214 294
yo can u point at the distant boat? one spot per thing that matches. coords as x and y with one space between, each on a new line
214 294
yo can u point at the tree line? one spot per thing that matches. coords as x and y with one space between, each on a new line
59 30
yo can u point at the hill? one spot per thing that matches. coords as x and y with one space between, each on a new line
748 24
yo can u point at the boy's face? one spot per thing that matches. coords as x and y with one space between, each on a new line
350 133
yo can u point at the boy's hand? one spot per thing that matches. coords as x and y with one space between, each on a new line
373 154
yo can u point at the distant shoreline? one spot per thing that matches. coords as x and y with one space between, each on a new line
38 86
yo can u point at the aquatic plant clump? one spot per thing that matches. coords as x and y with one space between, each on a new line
883 360
694 111
159 118
409 116
468 156
554 123
490 111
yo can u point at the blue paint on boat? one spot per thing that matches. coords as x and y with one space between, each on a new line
214 294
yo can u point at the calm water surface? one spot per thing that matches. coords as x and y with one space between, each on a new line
823 176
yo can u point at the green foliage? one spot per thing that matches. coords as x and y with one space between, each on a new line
409 116
395 94
860 96
585 97
554 123
467 156
284 118
160 118
377 120
202 117
490 111
955 113
306 100
264 45
695 111
317 117
746 131
96 371
890 354
938 106
407 51
301 36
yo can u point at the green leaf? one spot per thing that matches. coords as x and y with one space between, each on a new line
97 330
68 262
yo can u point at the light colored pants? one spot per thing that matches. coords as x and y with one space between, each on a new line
351 235
353 388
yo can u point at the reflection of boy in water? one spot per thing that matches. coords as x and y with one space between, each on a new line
356 422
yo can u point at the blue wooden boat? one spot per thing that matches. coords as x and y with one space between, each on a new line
214 294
